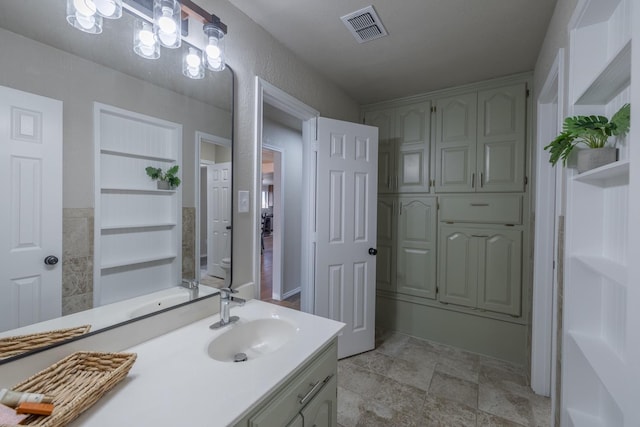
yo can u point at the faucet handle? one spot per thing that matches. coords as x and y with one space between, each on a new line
226 292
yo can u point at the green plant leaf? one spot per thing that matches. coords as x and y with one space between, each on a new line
622 120
173 170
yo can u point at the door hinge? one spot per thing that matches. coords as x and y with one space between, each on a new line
554 264
433 109
526 180
528 93
437 290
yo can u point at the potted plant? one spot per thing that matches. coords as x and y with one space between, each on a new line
167 180
594 132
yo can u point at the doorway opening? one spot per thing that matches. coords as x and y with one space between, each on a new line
286 127
282 194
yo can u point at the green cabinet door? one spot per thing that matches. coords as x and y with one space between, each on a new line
455 145
416 246
458 265
385 265
322 411
501 139
384 120
481 268
500 272
412 131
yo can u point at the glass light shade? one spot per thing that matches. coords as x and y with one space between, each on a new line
82 14
214 53
167 22
192 64
145 43
110 9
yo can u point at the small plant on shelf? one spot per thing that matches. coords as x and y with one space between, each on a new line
166 180
593 132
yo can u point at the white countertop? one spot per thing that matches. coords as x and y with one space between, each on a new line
174 382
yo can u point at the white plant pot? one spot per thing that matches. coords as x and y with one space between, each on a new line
591 158
163 185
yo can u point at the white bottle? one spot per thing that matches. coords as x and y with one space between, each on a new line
14 398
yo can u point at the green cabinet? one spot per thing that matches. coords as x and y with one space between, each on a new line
480 141
307 398
416 246
406 259
404 147
481 267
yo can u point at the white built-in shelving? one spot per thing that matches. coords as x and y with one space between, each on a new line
138 226
595 386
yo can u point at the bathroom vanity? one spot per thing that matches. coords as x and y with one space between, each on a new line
188 377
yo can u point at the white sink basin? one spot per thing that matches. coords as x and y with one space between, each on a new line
254 338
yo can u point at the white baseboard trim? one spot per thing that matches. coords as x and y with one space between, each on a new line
292 292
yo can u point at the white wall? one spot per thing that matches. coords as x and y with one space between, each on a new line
290 141
251 51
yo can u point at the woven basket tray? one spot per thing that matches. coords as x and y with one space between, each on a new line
12 346
75 383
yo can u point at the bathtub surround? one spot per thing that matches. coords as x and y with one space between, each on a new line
77 259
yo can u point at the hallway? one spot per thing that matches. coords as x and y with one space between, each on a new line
266 275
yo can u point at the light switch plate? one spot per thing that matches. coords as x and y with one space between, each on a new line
243 201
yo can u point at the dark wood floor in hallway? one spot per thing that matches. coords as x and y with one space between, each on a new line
266 278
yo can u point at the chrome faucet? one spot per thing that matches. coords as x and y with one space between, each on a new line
192 287
226 298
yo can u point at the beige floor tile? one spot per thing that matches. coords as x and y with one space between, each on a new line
349 407
459 390
505 404
399 397
463 369
415 374
391 343
489 420
440 412
374 361
359 380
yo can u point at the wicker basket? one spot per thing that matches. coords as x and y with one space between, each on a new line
75 383
12 346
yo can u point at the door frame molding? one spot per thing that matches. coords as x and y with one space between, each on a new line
272 95
217 140
548 183
277 224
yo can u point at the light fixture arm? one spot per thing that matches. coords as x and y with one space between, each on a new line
192 9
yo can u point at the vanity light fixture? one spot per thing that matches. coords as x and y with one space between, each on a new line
167 22
192 65
83 15
145 43
160 22
214 47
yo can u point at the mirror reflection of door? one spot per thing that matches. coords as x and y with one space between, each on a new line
215 211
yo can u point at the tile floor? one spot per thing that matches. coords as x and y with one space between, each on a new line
406 381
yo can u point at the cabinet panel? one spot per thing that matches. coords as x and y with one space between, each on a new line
384 120
413 135
485 208
416 266
456 124
500 278
501 138
458 266
385 264
322 411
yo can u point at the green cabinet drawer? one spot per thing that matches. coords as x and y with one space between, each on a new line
482 208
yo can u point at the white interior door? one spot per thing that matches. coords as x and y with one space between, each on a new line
31 210
218 216
347 178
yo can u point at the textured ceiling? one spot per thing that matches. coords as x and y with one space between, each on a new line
432 44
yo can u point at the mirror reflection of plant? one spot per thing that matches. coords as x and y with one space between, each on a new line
169 176
592 131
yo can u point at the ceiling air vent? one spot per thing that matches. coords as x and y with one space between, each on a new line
364 24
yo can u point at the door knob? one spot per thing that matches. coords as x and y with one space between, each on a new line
51 260
373 251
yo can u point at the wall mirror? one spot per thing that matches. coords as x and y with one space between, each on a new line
126 244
